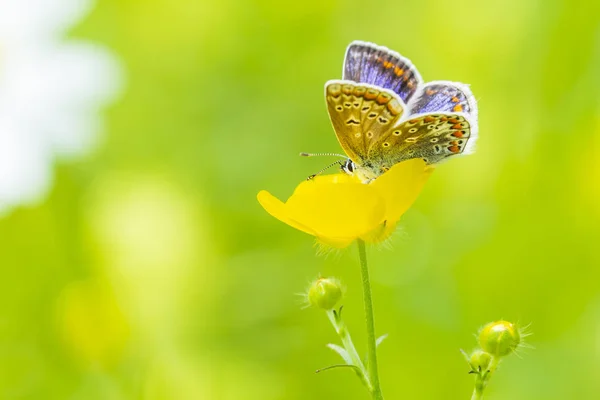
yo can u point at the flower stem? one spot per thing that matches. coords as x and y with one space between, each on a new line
483 378
478 391
371 340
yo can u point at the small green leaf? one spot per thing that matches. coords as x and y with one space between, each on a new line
354 367
342 352
380 339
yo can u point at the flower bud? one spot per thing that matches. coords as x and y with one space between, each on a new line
480 360
325 293
499 338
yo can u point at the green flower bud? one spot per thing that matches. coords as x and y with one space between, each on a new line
500 338
480 360
325 293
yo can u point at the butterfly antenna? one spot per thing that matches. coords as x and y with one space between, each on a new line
324 169
322 154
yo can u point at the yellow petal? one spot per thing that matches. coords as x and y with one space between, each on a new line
276 208
335 178
401 185
338 208
342 210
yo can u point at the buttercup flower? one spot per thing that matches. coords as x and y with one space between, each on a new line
338 208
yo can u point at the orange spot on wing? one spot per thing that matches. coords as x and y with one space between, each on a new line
429 118
453 121
455 99
398 71
430 92
456 126
458 134
457 108
454 149
371 94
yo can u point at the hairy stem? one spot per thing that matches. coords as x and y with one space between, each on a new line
371 339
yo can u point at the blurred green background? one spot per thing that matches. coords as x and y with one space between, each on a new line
151 272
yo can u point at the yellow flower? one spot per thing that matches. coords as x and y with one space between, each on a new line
338 208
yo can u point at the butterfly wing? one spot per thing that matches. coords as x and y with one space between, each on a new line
440 96
447 97
432 137
379 66
361 114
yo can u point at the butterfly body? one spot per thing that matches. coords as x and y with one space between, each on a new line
383 114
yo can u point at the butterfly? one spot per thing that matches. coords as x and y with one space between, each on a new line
383 113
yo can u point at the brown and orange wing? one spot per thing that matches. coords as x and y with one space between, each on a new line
361 114
432 137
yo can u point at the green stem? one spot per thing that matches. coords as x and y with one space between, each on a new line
344 334
478 391
482 379
371 340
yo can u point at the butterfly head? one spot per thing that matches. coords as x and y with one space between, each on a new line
348 166
366 173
